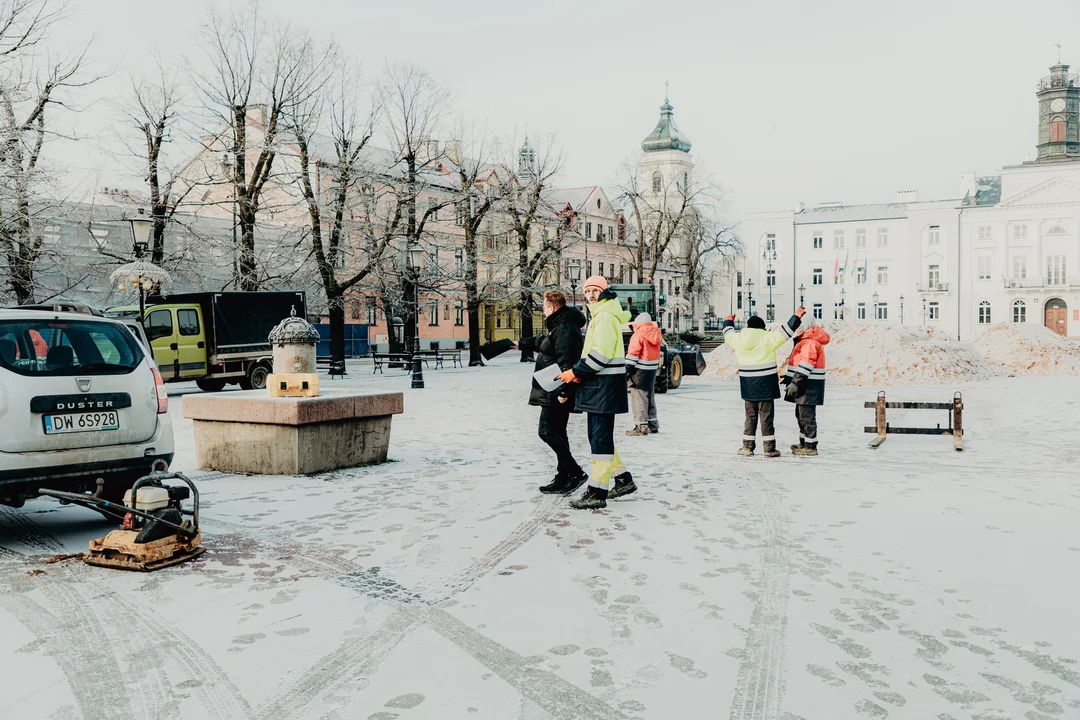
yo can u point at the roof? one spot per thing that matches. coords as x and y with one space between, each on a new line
666 135
576 198
989 192
851 213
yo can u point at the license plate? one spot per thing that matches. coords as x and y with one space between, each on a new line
82 422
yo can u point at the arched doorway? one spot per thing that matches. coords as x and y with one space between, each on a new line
1056 316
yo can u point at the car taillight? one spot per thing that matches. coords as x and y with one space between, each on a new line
159 390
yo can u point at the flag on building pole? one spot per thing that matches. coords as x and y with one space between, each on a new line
836 268
847 257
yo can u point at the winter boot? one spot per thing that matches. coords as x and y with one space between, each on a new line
747 448
794 448
553 487
638 431
624 485
770 449
807 450
593 499
654 430
572 482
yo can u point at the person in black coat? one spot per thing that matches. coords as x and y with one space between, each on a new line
560 346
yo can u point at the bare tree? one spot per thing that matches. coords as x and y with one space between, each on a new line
661 207
152 110
27 95
524 190
349 129
275 68
708 243
413 106
478 188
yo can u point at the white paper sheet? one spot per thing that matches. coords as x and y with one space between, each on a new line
548 378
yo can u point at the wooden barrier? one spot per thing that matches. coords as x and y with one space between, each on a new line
883 429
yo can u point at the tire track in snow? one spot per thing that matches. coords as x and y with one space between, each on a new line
759 688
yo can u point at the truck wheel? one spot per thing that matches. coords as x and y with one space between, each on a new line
210 384
675 375
256 379
661 382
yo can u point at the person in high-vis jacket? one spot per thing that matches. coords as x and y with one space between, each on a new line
602 374
642 364
805 380
759 381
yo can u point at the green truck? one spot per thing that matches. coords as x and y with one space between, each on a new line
215 338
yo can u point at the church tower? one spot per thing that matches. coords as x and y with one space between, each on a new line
527 160
667 158
1059 115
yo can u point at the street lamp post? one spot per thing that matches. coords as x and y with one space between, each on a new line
901 309
843 296
749 298
924 311
416 258
802 295
575 276
140 242
770 280
874 297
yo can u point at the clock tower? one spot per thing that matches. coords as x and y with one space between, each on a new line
1059 115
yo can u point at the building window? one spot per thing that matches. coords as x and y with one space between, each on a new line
770 278
1019 311
459 312
838 239
883 311
860 237
599 232
459 213
770 313
1019 268
600 269
933 277
738 300
372 311
860 275
620 273
935 310
819 241
588 269
883 237
588 230
770 242
1055 270
622 229
883 275
861 311
818 276
446 311
984 313
738 279
433 209
433 313
934 236
459 261
1019 232
984 263
817 310
986 232
1056 230
657 180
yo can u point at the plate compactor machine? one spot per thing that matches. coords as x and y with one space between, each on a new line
153 533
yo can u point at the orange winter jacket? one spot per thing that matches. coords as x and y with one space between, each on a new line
807 365
644 350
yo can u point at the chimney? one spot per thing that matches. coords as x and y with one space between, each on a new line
903 197
969 185
798 207
453 151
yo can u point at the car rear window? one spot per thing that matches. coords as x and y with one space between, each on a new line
67 347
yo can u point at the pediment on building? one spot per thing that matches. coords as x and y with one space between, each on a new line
1055 191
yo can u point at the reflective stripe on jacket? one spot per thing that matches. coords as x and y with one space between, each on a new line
602 367
808 361
756 352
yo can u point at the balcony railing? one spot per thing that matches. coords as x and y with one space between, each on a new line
1041 283
935 287
1059 81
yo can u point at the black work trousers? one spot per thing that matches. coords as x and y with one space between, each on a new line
552 430
806 415
762 410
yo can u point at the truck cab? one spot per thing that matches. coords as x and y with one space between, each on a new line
177 334
644 297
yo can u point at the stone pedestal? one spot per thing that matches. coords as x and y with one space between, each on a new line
249 432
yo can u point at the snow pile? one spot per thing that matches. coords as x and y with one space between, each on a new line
881 354
1028 349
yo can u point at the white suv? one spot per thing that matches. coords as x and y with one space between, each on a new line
82 407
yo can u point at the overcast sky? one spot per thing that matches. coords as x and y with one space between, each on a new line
785 100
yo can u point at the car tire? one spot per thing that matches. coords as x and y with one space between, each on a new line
210 384
256 378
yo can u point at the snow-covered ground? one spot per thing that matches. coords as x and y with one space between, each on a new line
909 581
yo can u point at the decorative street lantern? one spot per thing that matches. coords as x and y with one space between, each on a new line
416 258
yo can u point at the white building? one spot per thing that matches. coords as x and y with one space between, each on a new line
1001 251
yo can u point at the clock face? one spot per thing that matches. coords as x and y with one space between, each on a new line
1057 104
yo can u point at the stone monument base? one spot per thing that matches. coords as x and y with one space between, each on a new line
249 432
